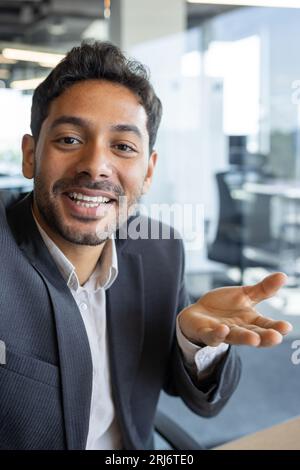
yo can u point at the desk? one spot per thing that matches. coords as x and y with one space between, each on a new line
283 436
286 189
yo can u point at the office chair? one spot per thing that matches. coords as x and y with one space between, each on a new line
226 247
241 227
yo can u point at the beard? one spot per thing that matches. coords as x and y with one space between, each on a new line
49 208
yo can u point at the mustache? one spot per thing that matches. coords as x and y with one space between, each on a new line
66 184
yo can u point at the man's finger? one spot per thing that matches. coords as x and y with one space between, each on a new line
199 328
283 327
268 336
265 288
239 335
214 336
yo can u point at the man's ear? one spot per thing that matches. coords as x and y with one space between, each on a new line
28 148
150 170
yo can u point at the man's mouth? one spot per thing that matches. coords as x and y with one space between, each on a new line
89 204
89 201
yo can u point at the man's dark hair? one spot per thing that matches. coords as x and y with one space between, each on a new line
97 60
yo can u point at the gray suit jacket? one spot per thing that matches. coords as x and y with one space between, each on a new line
46 383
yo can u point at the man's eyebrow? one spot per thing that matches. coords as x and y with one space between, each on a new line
74 120
126 128
80 122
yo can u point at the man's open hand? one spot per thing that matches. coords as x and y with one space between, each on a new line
228 315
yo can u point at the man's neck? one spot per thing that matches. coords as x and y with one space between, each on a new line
83 257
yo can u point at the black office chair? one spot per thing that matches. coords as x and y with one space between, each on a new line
241 227
228 242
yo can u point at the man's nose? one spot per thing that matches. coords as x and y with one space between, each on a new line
95 162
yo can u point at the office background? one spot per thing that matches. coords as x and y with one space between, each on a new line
229 79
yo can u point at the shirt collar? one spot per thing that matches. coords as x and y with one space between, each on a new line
104 274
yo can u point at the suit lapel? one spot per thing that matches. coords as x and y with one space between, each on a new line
75 364
125 323
74 351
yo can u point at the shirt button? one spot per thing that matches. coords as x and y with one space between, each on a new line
83 306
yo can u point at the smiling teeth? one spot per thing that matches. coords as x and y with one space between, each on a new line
88 201
85 204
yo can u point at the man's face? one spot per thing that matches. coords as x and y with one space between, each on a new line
92 153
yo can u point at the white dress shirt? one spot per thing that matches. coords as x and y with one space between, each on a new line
104 432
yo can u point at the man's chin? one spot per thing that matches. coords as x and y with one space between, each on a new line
90 233
84 238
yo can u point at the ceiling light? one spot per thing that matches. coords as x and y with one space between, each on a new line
107 9
252 3
29 84
32 56
46 64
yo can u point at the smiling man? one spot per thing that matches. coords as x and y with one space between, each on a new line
95 326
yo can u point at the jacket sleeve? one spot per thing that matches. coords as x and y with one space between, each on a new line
206 396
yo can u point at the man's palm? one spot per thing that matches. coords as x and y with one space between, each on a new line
228 315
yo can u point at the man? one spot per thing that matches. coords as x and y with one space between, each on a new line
88 317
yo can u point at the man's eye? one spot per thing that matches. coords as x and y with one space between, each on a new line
69 140
125 148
